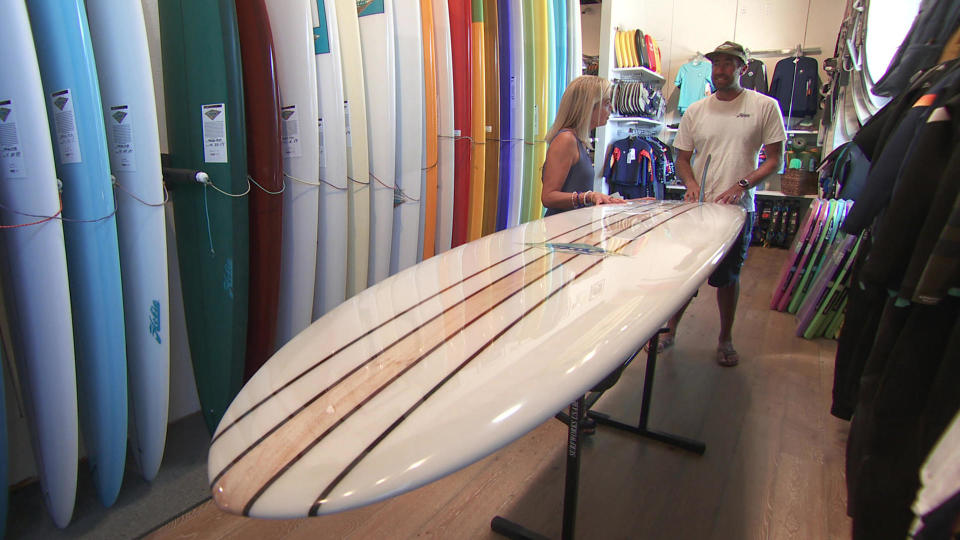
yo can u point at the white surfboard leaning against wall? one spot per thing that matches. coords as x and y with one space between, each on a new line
292 27
331 277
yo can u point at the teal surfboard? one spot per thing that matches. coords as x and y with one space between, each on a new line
205 125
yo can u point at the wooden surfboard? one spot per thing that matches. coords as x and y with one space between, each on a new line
331 271
460 14
445 126
202 80
347 414
265 166
410 126
33 251
430 201
358 164
291 22
75 119
491 62
478 122
379 78
119 39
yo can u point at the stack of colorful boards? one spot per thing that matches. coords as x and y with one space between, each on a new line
349 111
816 273
633 48
86 283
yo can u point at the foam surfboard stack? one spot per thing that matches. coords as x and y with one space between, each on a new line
817 272
634 49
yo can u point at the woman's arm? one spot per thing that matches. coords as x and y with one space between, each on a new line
561 155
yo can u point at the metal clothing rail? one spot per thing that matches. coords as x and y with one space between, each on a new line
509 529
777 53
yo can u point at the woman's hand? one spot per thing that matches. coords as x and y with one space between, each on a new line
595 197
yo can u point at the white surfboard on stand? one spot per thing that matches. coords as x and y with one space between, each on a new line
119 40
516 112
410 111
379 77
445 146
358 162
290 21
35 264
458 356
574 41
331 277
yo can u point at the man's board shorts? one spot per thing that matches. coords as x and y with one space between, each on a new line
728 271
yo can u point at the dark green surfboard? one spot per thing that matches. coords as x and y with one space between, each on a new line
205 131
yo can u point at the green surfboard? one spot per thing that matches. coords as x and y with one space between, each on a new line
205 128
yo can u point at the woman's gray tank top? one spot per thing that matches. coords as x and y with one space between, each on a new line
579 177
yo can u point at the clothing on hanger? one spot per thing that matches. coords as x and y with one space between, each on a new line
695 82
796 86
756 76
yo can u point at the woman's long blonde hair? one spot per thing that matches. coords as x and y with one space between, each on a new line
580 98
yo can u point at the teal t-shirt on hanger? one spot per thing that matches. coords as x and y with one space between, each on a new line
693 79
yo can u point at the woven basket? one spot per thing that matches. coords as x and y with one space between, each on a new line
798 182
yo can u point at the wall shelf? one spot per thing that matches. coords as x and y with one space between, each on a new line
638 73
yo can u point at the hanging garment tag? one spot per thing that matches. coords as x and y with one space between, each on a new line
632 155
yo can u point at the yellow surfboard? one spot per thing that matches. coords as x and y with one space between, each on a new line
478 123
492 148
541 89
618 48
430 133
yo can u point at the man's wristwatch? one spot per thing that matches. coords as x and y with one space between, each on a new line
744 183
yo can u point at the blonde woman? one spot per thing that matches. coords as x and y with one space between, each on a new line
567 170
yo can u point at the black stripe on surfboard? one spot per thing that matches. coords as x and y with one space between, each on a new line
413 363
294 413
414 306
315 508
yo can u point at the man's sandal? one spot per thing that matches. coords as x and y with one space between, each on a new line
726 355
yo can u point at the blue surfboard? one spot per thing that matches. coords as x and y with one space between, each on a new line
507 75
75 118
560 23
4 454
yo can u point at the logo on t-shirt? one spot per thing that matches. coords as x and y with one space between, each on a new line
743 115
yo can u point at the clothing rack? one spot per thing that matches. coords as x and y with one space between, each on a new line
779 53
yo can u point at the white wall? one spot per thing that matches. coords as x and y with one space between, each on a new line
684 27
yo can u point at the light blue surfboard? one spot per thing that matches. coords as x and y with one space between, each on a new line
560 23
75 117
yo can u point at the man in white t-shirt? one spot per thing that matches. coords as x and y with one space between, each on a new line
730 127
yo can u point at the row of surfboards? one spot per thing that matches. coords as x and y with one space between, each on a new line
633 48
815 278
398 109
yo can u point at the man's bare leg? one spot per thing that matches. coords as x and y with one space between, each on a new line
727 303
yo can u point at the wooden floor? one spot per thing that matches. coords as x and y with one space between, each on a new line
773 467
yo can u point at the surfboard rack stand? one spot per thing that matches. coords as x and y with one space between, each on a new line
178 177
509 529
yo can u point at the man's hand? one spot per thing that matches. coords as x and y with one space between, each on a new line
692 194
731 196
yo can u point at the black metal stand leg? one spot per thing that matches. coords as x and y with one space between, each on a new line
641 428
509 529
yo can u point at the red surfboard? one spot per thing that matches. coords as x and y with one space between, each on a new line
265 166
460 19
651 53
